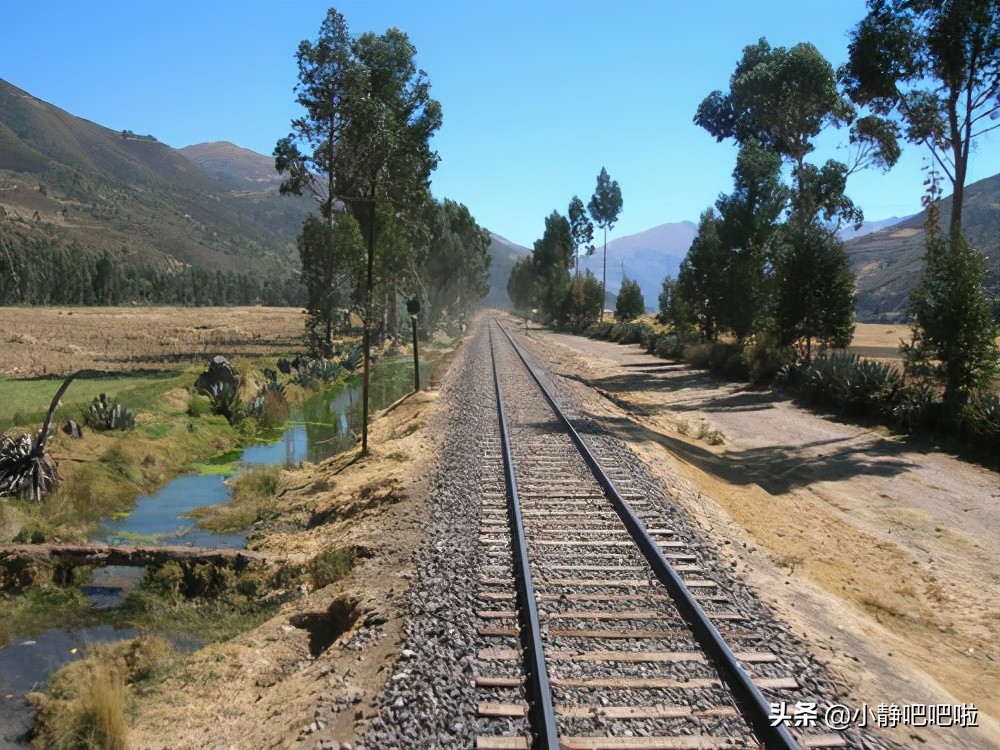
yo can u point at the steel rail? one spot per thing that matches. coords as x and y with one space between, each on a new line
755 708
542 715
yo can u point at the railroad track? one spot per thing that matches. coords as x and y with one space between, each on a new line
600 633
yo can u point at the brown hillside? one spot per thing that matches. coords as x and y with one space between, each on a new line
64 179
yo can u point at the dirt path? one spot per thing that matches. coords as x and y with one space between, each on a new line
885 557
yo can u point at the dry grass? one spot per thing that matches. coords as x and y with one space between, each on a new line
86 703
59 340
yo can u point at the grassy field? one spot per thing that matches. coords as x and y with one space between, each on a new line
24 402
38 341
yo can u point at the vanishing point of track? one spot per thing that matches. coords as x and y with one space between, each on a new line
594 639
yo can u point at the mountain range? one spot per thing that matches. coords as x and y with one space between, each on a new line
66 180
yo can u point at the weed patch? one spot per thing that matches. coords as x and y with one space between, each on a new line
252 494
331 566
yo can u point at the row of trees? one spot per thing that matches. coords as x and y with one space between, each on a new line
35 271
362 150
542 280
766 261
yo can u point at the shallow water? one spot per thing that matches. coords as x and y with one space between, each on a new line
323 426
26 664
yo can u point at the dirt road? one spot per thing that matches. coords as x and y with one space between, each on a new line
883 556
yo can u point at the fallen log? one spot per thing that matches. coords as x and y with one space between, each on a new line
21 563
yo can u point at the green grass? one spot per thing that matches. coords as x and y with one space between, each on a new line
331 565
252 494
24 402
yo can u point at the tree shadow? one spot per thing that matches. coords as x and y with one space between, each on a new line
779 469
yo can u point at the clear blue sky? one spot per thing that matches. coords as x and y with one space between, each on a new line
537 96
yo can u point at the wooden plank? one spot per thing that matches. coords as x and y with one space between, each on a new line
484 742
488 681
510 654
678 742
822 740
502 710
582 543
517 710
634 683
619 583
492 614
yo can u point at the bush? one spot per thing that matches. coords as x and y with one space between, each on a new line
850 385
721 359
980 420
225 400
765 358
331 566
669 345
630 304
103 414
198 405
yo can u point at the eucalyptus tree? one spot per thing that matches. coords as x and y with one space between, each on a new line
782 99
582 229
934 67
604 208
454 269
551 259
364 139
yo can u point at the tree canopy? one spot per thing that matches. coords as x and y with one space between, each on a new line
934 67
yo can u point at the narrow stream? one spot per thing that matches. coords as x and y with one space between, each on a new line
323 426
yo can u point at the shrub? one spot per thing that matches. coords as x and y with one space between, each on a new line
103 414
669 345
765 358
330 566
198 405
225 400
980 420
270 407
630 304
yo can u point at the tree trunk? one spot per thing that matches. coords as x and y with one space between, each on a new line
604 276
367 337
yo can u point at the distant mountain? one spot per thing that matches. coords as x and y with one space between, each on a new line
504 254
240 167
647 257
67 180
888 263
850 233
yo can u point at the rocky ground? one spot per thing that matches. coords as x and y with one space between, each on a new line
824 522
880 553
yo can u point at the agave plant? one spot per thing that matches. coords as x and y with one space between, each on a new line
26 468
104 414
351 360
225 400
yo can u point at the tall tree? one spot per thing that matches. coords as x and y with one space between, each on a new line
331 257
630 304
781 99
702 278
814 291
954 333
933 65
604 207
551 259
454 270
582 229
749 220
367 128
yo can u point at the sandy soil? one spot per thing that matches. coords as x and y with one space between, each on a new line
884 557
268 688
61 340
